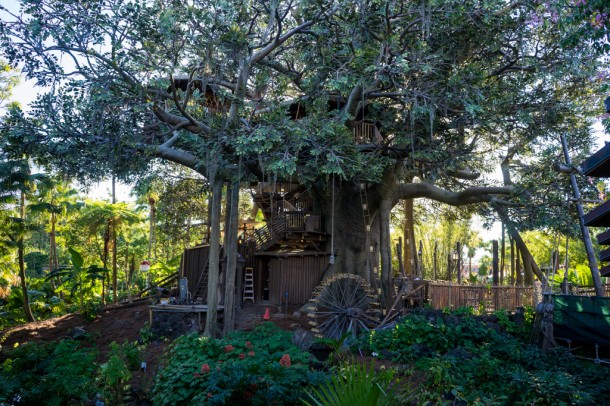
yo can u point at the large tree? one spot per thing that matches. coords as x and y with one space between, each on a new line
264 90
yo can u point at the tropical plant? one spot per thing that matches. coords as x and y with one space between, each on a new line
79 279
56 199
114 374
458 358
355 385
16 184
9 78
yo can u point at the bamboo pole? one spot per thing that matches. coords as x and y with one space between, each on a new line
597 282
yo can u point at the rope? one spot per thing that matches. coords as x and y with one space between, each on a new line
331 260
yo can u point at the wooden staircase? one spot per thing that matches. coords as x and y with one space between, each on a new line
201 288
289 219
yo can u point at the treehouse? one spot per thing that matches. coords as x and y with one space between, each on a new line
209 96
365 132
284 260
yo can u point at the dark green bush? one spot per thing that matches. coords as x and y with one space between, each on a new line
462 359
261 367
48 373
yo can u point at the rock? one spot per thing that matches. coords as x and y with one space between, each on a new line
519 317
307 308
78 332
303 338
297 314
386 354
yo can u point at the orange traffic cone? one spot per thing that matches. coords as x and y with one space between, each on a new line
266 315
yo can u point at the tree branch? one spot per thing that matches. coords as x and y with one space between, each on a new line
464 174
258 56
181 122
470 195
178 156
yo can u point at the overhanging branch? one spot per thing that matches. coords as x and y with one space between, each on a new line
181 122
470 195
178 156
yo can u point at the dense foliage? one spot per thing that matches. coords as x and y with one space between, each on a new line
50 373
261 367
464 358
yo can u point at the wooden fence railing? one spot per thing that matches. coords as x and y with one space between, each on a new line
487 298
588 290
367 133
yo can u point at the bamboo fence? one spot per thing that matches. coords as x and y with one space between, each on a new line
485 298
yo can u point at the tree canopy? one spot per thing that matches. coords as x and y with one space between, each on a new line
208 84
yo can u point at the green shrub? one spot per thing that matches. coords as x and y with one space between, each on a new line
114 374
261 367
355 385
48 373
465 361
131 355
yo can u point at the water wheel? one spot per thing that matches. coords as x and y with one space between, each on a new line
343 303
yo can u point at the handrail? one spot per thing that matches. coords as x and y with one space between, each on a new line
367 133
170 278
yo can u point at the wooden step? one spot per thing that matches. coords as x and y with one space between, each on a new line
604 238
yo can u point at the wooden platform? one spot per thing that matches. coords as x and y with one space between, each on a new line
180 309
598 164
604 256
598 217
604 238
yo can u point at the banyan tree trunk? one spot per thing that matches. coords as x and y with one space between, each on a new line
214 259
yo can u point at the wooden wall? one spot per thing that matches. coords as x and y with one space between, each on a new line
297 275
193 266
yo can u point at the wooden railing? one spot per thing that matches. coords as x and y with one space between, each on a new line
486 298
588 290
167 281
367 133
295 221
270 234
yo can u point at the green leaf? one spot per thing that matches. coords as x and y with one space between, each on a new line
76 257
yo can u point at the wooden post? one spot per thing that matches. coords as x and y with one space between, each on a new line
420 262
597 282
399 255
459 263
115 298
435 258
512 262
409 259
502 256
449 266
518 268
495 266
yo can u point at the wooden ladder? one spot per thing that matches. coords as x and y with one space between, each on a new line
249 285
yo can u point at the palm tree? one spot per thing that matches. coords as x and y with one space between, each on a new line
56 198
16 184
103 219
